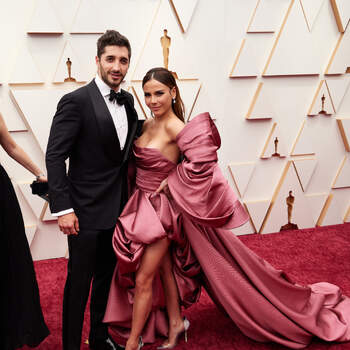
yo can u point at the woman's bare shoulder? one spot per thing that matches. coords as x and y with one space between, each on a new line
174 126
146 123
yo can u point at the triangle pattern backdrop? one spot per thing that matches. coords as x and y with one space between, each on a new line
275 144
27 73
316 107
331 213
311 9
267 16
344 128
184 10
340 58
301 213
341 9
142 115
338 87
316 204
347 215
47 214
275 38
250 58
82 22
305 169
44 19
30 232
343 175
303 144
29 103
152 55
257 211
241 174
77 69
293 52
261 106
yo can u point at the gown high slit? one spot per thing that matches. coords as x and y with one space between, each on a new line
262 301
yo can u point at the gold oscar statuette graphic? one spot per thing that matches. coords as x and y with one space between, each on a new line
276 154
165 41
323 98
290 203
69 68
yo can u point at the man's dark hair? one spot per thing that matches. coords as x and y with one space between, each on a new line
112 37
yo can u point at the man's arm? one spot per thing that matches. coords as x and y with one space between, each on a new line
64 130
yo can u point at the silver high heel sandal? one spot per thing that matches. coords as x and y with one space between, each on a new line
141 344
186 327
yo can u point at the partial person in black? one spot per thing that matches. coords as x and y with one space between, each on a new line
22 318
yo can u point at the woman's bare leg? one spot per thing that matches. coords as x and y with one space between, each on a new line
171 292
150 262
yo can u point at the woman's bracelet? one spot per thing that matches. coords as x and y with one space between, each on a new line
39 176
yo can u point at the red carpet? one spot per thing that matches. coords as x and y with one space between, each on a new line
308 256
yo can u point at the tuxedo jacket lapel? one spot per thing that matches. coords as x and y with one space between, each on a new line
109 135
132 127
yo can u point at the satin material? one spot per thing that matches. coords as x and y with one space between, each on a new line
262 301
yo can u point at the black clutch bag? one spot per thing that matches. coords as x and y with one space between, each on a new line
41 189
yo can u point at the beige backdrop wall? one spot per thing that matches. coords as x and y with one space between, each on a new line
260 67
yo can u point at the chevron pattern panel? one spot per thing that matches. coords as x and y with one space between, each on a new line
274 74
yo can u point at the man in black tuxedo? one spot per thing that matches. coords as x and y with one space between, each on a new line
94 126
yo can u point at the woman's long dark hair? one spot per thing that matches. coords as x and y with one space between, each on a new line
165 77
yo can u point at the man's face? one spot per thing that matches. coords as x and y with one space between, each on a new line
113 65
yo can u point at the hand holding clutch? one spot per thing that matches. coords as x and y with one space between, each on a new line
41 189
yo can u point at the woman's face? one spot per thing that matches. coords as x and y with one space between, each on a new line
158 97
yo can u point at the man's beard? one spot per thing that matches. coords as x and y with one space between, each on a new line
104 77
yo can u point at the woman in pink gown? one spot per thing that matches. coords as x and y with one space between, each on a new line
173 238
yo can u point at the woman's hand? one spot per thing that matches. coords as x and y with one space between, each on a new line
164 187
41 178
17 153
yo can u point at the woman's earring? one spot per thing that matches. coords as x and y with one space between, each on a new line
173 101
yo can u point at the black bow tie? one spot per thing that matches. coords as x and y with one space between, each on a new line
118 96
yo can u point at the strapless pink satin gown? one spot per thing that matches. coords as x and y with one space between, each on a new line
259 299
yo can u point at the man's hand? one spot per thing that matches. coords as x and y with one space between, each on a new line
69 224
164 187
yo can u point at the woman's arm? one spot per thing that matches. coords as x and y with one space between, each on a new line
17 153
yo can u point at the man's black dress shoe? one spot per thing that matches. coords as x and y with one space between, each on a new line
106 344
